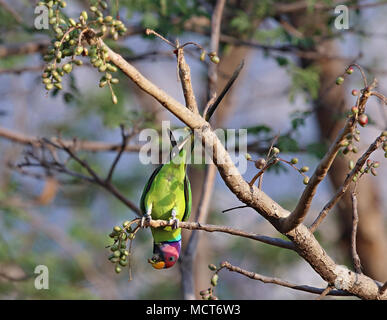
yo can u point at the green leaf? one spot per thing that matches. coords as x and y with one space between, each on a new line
317 149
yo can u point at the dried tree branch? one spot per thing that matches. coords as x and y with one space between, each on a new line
303 205
125 139
336 198
186 83
277 242
277 281
93 146
355 221
57 166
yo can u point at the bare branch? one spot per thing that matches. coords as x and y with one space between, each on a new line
215 228
277 281
125 138
186 83
335 199
93 146
303 205
355 221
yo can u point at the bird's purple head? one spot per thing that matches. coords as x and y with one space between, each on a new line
165 254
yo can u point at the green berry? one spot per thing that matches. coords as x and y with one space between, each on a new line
214 279
117 269
78 51
215 59
114 99
304 169
84 15
305 181
212 267
294 160
339 80
67 68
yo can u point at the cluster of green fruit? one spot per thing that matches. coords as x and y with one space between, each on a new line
340 79
261 163
348 142
120 254
370 167
70 35
208 294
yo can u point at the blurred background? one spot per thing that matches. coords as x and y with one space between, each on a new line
293 54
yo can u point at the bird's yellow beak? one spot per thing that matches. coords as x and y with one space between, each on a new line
158 264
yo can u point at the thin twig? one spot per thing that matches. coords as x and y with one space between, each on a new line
125 139
355 221
277 242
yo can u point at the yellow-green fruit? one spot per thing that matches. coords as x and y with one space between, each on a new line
115 101
214 279
117 269
203 56
306 180
67 68
215 59
58 86
78 50
294 160
108 19
212 267
84 15
49 86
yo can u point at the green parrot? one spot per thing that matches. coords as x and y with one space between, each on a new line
167 195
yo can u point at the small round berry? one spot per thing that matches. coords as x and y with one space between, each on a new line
304 169
260 163
294 160
349 70
355 110
306 180
339 80
355 92
363 120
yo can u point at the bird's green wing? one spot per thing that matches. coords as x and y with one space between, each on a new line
188 199
147 187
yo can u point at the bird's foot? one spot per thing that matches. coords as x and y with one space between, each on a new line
174 222
145 220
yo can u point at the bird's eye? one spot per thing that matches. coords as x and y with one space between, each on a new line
171 258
